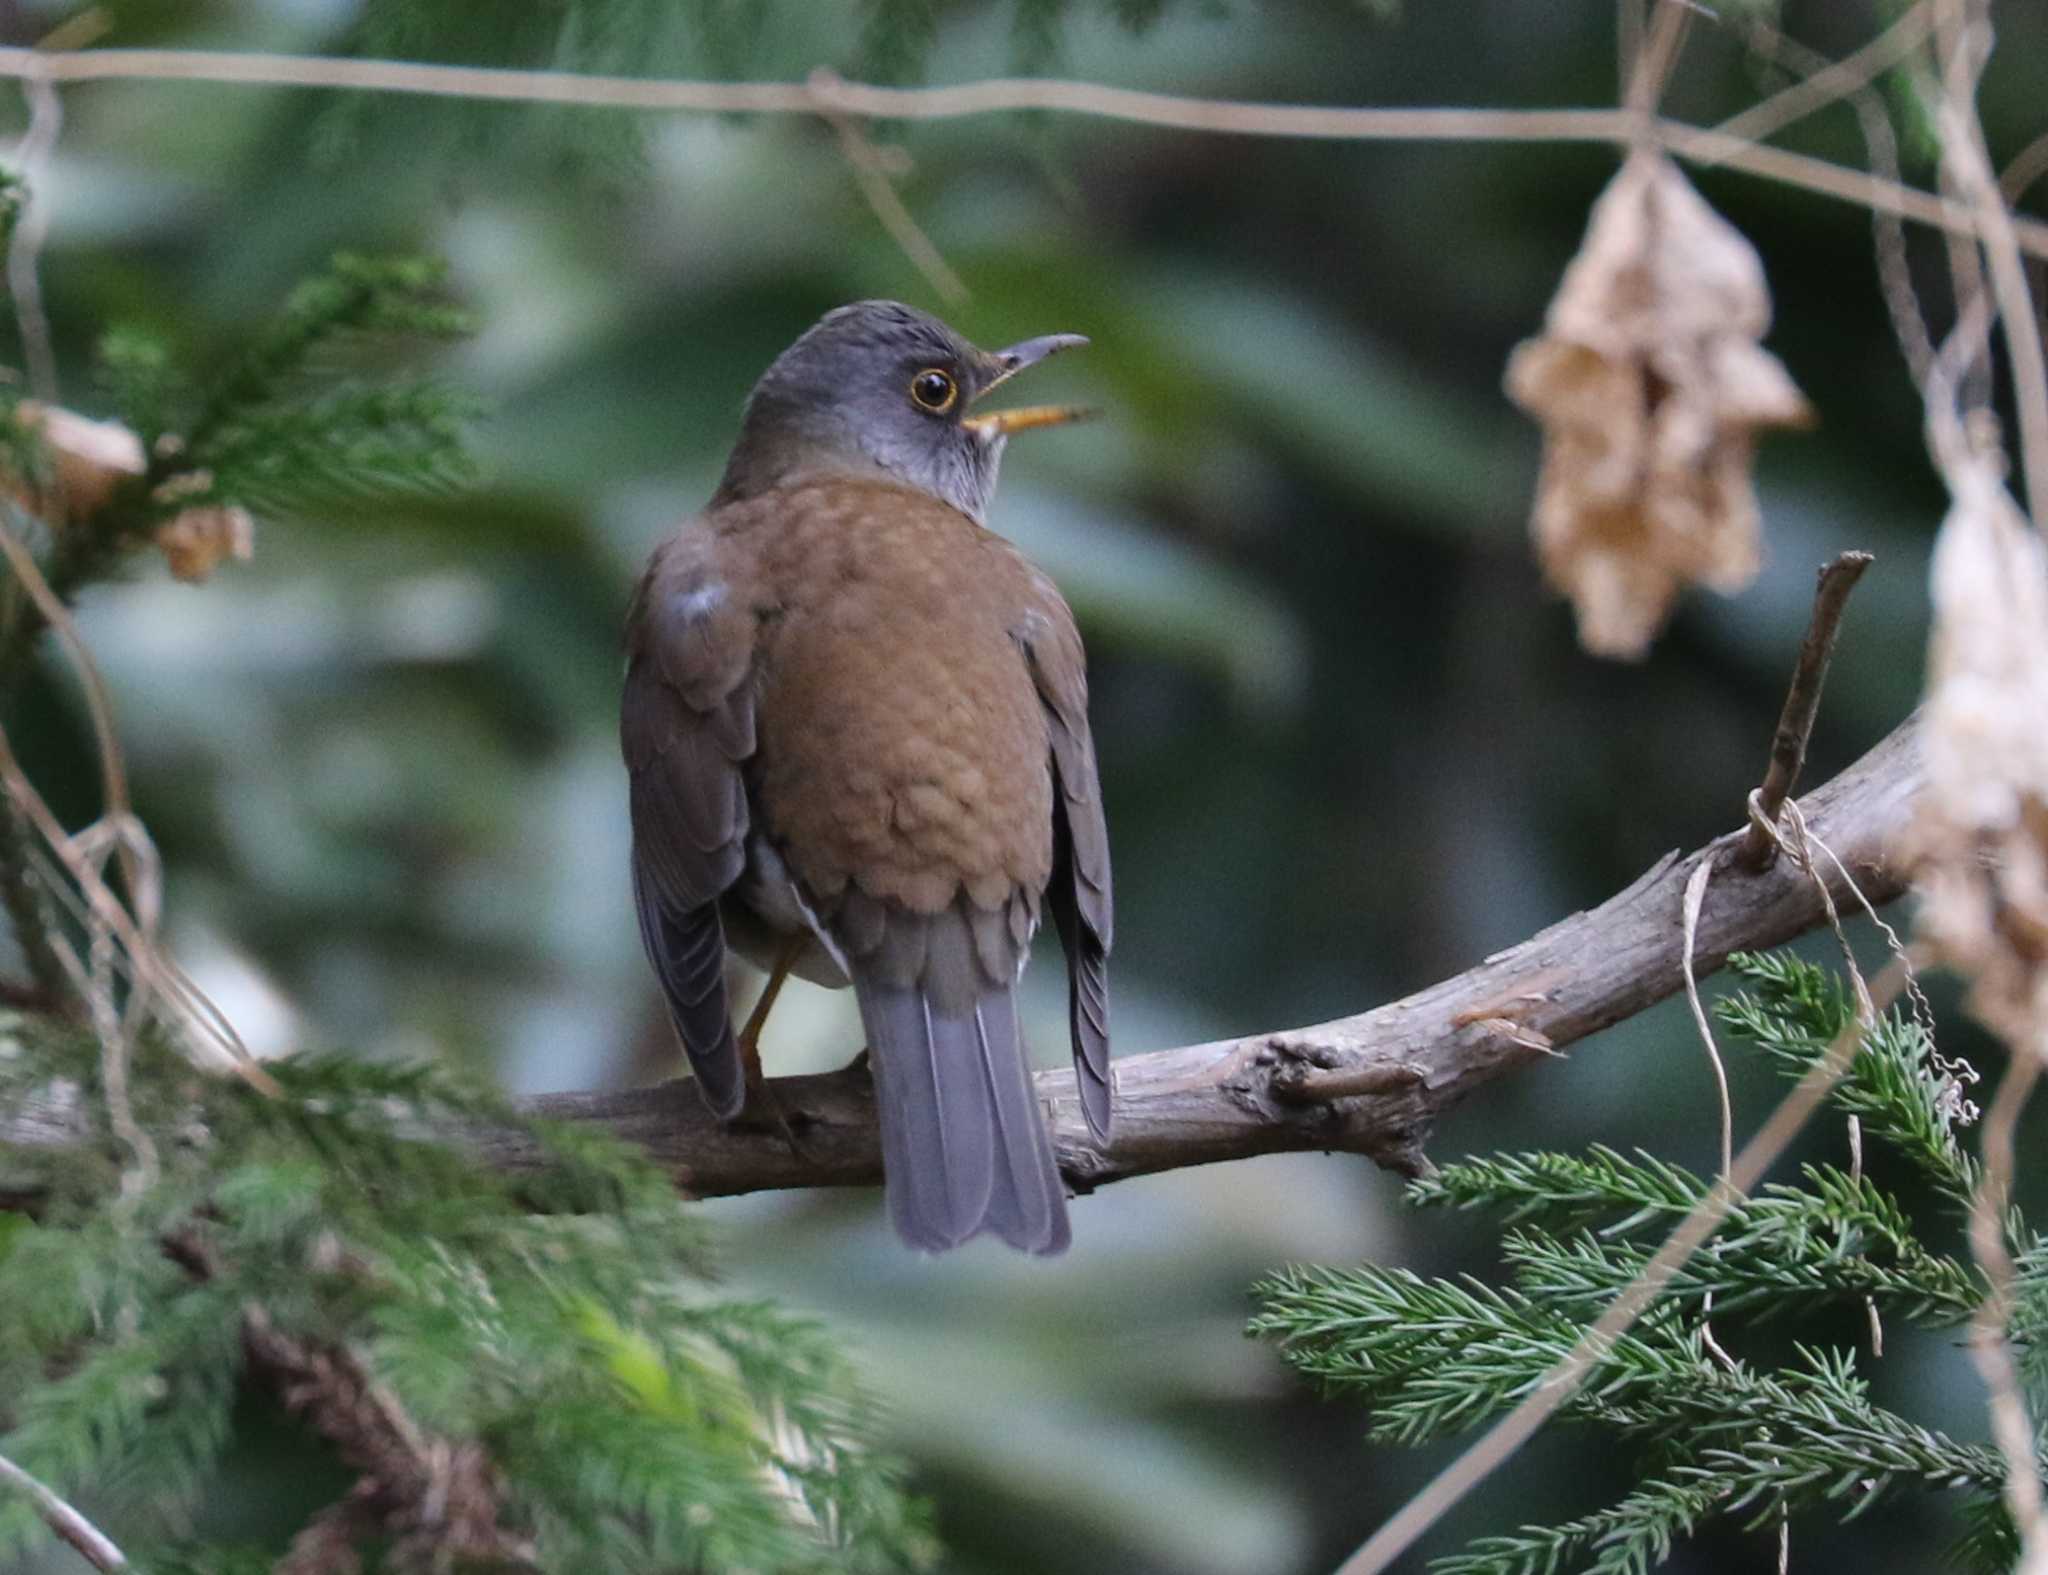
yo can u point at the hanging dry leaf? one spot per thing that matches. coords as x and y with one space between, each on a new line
1650 383
88 460
1980 836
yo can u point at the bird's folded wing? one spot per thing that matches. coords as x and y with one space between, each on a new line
686 722
1079 895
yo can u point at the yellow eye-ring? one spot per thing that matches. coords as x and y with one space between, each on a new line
934 390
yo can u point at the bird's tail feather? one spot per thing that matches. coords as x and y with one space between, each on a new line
964 1147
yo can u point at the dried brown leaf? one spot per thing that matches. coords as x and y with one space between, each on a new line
195 541
88 460
1650 383
1980 837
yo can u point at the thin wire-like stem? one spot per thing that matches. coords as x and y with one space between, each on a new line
1989 1348
1963 152
1563 1381
98 702
998 95
867 166
2027 166
1695 896
1834 81
25 246
1881 146
1653 62
93 1545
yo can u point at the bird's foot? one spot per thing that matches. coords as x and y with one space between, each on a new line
764 1112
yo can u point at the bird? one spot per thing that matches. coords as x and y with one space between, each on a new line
855 727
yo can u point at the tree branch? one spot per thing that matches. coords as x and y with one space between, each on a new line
1373 1084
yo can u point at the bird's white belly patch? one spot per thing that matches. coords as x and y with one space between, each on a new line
766 887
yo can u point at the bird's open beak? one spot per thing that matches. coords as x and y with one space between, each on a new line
1008 363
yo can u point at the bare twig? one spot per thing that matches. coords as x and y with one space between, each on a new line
24 249
93 1545
1964 154
32 163
1989 1348
1308 1086
1563 1381
998 95
151 970
1695 899
99 703
1415 1058
1653 62
1881 145
870 171
107 919
1827 83
1628 42
2027 166
26 901
1802 702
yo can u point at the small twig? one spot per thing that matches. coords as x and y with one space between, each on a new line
999 95
1563 1381
1313 1085
1802 704
32 161
1695 897
871 170
1964 154
1628 42
2027 166
25 247
1826 83
1855 1126
1881 144
149 967
1654 61
98 702
93 1545
107 918
27 907
1989 1348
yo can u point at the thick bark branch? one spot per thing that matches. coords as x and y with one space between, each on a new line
1371 1084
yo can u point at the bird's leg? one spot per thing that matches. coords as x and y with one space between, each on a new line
757 1019
758 1097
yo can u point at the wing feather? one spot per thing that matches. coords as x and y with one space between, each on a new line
686 724
1079 895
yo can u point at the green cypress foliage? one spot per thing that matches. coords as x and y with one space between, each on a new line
1720 1437
545 1356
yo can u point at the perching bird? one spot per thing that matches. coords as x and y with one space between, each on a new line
856 726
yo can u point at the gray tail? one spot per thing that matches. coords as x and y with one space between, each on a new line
964 1147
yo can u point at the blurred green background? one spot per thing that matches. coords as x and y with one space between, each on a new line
1348 742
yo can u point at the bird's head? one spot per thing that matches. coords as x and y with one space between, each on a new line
879 387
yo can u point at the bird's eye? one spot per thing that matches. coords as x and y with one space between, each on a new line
934 390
